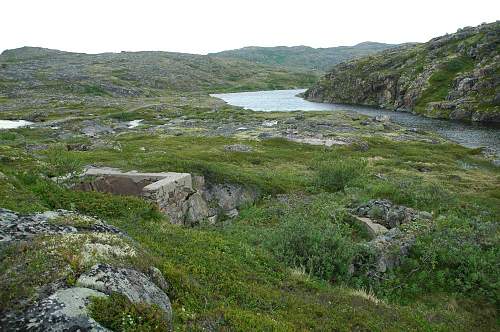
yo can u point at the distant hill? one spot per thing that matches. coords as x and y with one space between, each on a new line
456 76
38 70
303 57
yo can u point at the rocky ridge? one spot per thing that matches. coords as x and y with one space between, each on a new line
453 77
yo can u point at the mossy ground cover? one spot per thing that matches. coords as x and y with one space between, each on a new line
283 265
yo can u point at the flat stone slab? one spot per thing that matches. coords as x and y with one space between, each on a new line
328 142
372 228
133 183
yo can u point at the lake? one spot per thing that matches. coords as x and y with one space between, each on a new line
469 135
11 124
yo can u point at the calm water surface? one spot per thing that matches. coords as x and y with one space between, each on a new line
11 124
469 135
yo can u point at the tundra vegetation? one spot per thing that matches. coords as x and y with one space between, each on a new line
296 259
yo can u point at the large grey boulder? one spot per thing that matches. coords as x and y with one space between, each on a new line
197 209
136 286
65 310
229 196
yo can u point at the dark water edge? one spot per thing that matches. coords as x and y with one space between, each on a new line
471 135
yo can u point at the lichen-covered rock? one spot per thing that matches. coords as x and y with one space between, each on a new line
229 197
389 214
65 310
158 279
390 248
197 209
136 286
14 226
238 148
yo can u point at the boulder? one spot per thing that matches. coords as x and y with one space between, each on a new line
382 118
229 196
197 209
64 310
136 286
238 148
389 214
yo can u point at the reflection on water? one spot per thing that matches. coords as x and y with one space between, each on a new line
470 135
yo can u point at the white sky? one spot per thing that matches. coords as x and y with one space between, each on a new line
197 26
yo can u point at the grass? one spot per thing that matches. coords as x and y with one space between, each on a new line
117 313
284 263
441 80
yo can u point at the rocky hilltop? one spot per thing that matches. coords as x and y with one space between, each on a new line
33 71
455 77
304 57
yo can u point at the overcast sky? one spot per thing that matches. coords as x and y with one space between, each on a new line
197 26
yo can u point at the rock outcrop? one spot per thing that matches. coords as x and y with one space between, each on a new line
59 304
453 77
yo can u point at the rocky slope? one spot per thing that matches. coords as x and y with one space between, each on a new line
303 57
455 76
40 72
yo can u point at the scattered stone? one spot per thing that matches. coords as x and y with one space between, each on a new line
382 118
390 248
36 147
157 277
328 142
424 169
388 214
233 213
270 123
77 147
230 196
3 176
93 129
361 146
266 136
238 148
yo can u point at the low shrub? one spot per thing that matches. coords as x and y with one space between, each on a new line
337 174
459 255
315 238
62 162
119 314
